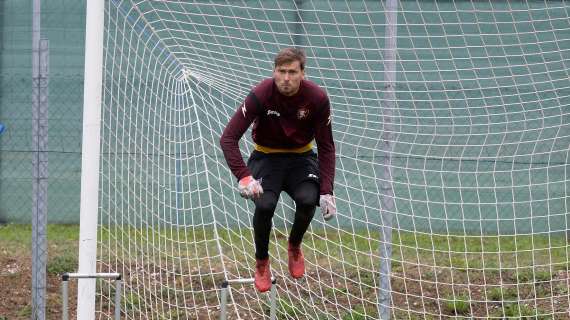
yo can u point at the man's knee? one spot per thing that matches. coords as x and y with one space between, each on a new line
305 201
307 195
266 204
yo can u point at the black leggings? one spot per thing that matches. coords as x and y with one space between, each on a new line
304 196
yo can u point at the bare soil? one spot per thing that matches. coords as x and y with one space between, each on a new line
16 291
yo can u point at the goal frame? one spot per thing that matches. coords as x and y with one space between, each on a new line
90 163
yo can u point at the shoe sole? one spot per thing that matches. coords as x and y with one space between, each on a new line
260 290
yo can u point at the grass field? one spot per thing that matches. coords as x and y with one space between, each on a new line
502 277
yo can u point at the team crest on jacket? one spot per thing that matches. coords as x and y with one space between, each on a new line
302 113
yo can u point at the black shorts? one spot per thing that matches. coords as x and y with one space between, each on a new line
284 171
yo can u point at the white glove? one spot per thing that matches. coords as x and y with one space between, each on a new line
250 188
328 206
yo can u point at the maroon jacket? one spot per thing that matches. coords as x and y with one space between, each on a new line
283 122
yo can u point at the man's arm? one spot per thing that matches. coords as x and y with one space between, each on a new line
325 148
229 141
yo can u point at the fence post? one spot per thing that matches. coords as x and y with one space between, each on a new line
40 52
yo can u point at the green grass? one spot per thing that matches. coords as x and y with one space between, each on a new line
514 311
458 252
25 311
19 236
457 305
357 313
502 294
531 274
16 236
503 263
289 309
59 265
132 301
453 251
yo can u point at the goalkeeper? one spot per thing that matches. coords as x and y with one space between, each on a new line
287 112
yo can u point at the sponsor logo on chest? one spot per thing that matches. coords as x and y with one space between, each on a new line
273 112
302 113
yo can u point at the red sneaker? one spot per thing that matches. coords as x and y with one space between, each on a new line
262 275
296 261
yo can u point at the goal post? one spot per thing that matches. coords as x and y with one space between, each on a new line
92 90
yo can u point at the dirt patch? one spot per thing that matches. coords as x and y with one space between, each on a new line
16 291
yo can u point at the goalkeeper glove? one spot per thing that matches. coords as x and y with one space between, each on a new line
328 206
250 188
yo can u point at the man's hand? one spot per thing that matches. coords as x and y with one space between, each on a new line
328 206
250 188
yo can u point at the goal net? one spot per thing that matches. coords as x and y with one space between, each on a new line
452 128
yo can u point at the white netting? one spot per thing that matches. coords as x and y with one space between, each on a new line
457 172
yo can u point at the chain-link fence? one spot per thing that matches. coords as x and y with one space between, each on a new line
63 24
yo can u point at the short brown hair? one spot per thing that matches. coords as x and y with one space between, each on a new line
288 55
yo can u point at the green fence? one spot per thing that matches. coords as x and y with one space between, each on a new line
475 116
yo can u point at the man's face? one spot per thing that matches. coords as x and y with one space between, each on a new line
288 77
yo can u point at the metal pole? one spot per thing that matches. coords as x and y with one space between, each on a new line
387 192
64 293
39 164
273 302
225 291
224 301
118 284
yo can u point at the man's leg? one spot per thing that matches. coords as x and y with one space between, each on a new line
269 169
304 196
262 222
305 203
